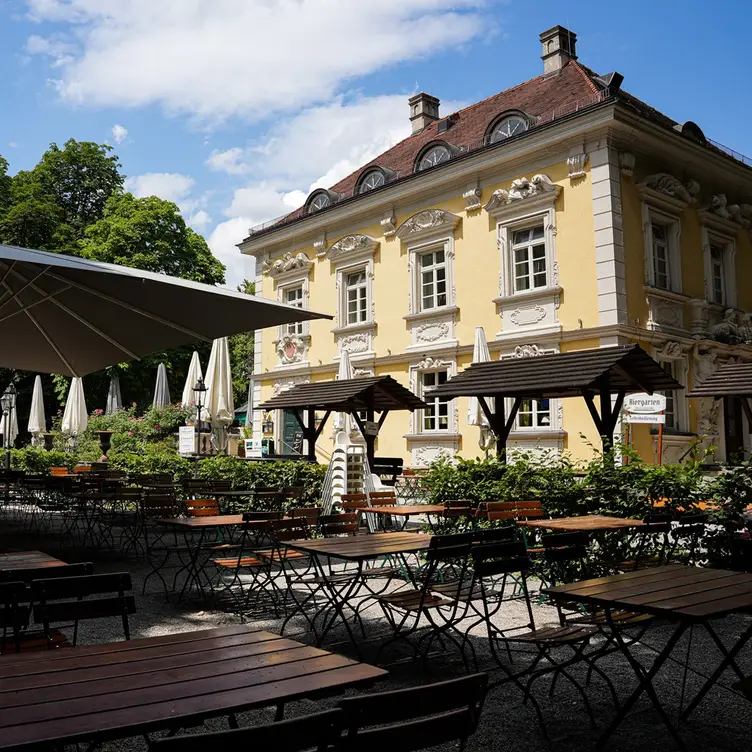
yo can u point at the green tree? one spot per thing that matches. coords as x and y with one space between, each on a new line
5 186
241 354
151 234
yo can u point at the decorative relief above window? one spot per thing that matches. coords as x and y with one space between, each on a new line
287 263
427 223
522 189
352 245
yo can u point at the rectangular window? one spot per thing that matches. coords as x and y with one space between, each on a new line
534 414
529 256
661 262
717 282
671 417
294 296
436 414
356 297
433 280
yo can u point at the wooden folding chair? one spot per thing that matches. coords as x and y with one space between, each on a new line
413 719
318 732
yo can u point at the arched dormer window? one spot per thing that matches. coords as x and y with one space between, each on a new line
434 154
320 199
372 178
508 124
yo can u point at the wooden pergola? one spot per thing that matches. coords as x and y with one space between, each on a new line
731 380
358 397
608 373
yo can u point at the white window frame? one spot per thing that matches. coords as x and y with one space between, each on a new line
289 283
359 315
529 246
681 407
552 408
416 372
296 327
434 401
505 229
349 255
727 245
654 215
417 252
343 272
433 269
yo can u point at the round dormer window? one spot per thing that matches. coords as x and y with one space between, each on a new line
371 180
434 156
508 127
320 201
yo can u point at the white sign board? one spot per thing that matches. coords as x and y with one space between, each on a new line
645 418
186 440
371 427
645 403
253 448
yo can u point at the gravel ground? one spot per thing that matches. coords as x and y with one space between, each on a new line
722 722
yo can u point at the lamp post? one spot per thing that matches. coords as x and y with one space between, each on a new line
8 403
198 392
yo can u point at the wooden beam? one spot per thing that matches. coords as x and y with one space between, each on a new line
512 416
588 395
322 424
631 379
382 418
747 407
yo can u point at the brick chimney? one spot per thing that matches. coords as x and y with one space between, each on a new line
559 47
424 110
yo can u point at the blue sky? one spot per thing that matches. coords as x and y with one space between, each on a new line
236 108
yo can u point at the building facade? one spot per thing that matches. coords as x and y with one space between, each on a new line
559 215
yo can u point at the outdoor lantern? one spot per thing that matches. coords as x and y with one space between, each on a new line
8 400
268 425
8 404
199 390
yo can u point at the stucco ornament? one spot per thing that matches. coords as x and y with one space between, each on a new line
745 329
521 189
350 244
527 351
739 213
671 350
291 348
287 263
671 186
427 220
428 363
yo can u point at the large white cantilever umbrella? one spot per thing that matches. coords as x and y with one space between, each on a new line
341 421
219 403
475 414
161 388
75 415
67 315
189 396
37 421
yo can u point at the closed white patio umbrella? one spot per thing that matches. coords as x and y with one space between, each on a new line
9 427
114 397
341 421
475 414
194 374
220 408
37 422
75 415
162 388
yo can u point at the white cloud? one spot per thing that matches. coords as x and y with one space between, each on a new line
199 221
53 46
171 186
222 243
229 161
119 133
243 57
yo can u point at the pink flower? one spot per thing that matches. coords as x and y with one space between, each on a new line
133 404
156 428
130 433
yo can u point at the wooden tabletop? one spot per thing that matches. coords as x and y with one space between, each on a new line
127 688
361 547
586 523
673 591
28 560
198 523
406 510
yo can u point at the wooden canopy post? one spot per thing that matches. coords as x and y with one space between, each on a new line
500 424
310 432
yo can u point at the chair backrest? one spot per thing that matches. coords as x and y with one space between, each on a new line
318 732
346 523
513 510
565 546
69 599
458 508
59 471
741 554
292 493
288 530
48 573
201 507
267 497
220 485
14 611
382 498
349 502
495 535
194 487
255 515
416 718
156 505
310 514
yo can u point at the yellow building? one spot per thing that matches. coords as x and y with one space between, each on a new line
558 215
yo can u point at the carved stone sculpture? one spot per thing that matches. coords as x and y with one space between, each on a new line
727 330
286 264
521 189
427 220
671 186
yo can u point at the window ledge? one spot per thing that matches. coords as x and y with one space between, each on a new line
541 292
364 327
659 292
432 313
433 436
541 433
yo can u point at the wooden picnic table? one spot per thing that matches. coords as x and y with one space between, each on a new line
359 549
28 560
589 523
104 692
403 510
687 596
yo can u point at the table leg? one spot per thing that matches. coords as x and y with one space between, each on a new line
728 660
645 682
193 574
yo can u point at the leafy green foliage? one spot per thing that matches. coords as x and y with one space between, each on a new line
241 354
150 233
731 492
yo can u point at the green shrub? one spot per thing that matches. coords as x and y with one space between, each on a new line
36 461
